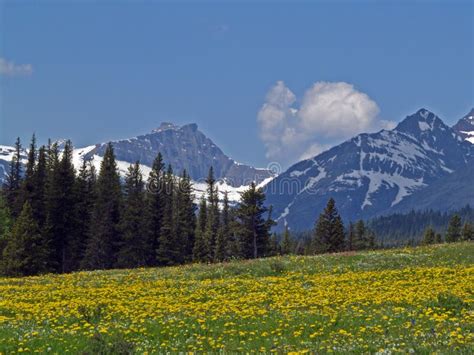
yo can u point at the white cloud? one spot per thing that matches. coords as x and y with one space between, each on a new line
10 68
313 150
328 113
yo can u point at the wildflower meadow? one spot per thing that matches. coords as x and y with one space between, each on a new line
405 300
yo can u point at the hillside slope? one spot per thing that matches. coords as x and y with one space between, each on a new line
403 300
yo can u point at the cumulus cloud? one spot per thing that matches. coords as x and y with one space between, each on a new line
313 150
10 68
327 113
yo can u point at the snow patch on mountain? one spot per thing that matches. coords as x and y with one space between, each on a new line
470 135
200 187
424 126
465 127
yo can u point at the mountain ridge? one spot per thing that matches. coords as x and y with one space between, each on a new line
184 147
371 173
368 175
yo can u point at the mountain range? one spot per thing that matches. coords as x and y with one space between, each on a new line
184 147
420 164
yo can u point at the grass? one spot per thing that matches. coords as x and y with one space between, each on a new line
403 300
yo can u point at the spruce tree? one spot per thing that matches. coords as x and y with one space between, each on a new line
84 195
467 231
254 230
429 236
5 223
201 248
38 197
350 237
275 248
60 203
34 182
371 239
28 186
103 242
168 248
453 233
13 182
329 230
438 238
185 217
212 226
25 252
360 241
223 247
235 248
53 157
133 246
154 208
287 243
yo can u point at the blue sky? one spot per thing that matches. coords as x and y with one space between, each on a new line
93 71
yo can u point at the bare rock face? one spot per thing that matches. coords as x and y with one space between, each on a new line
184 147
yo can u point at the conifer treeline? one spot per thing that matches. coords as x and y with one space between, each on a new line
402 228
54 220
330 235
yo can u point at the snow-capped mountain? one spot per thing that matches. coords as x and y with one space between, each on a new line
422 163
184 147
465 127
370 174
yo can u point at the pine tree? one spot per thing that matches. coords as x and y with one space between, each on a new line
102 244
253 230
154 210
287 243
467 231
438 238
453 233
168 249
329 231
201 248
25 253
429 236
223 247
134 246
13 182
212 226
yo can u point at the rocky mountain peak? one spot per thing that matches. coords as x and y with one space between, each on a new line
165 126
465 127
421 122
185 148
